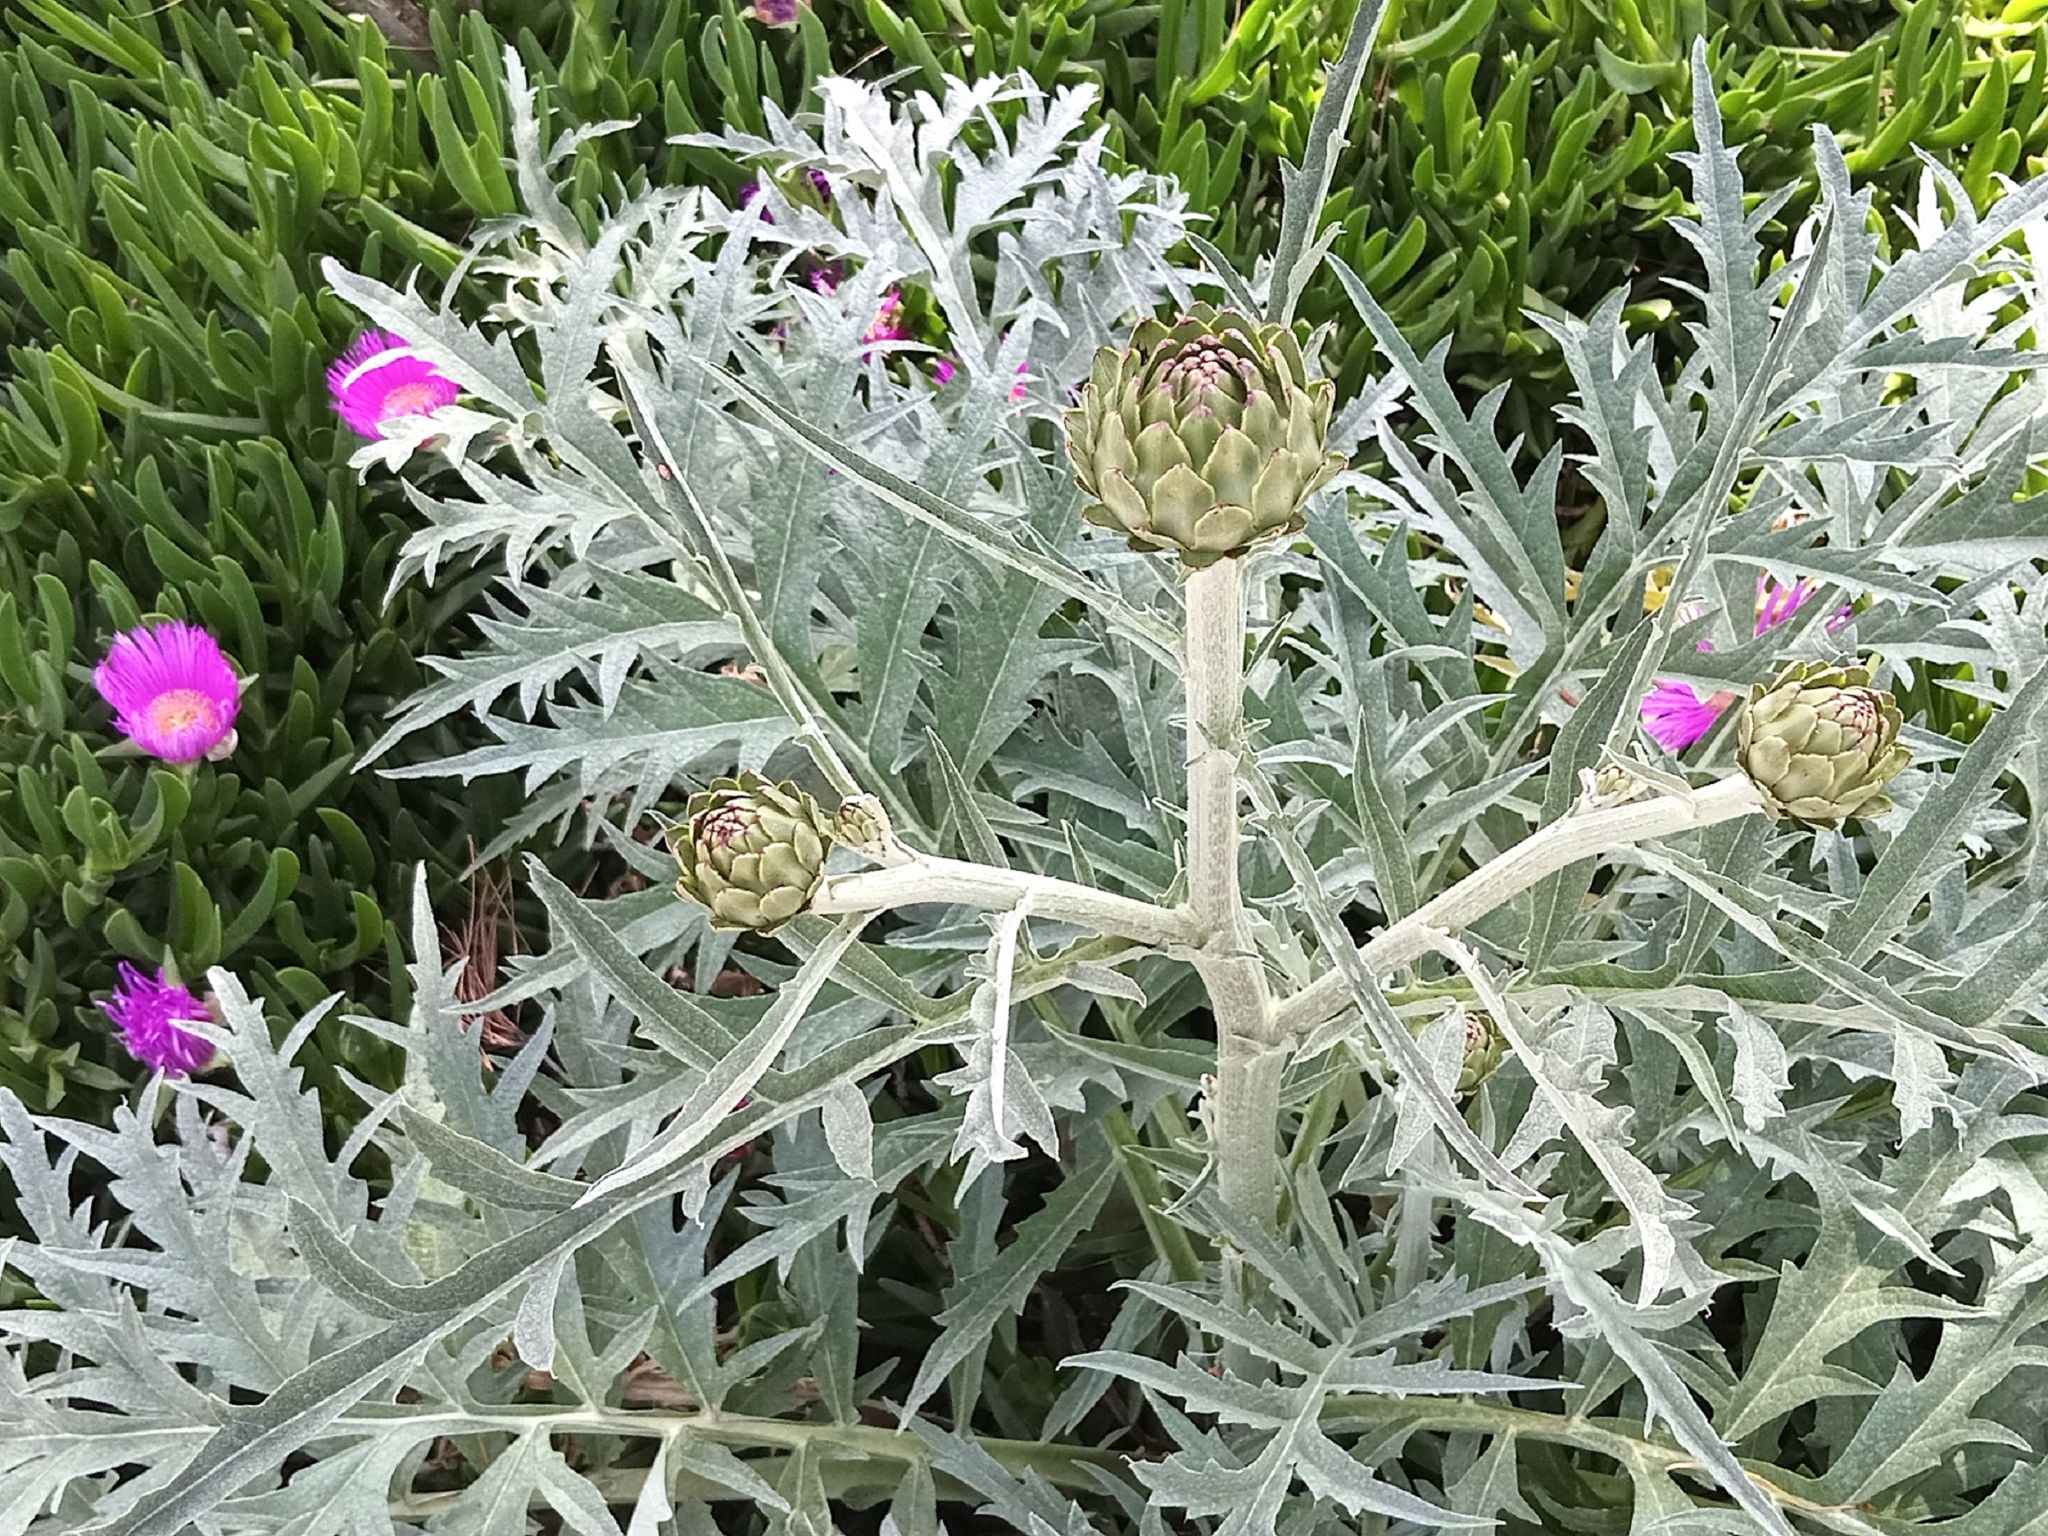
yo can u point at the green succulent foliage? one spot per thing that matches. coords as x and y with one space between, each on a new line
1513 155
170 179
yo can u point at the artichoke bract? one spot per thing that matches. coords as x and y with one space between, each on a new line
1485 1047
1820 744
751 851
1202 437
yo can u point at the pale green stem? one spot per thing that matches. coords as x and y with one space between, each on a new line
1245 1107
818 729
921 879
1566 841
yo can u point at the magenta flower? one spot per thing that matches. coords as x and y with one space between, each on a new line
172 692
888 322
379 380
775 13
1775 604
147 1010
1675 716
944 369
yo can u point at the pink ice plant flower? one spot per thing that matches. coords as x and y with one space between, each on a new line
172 691
1675 715
147 1011
775 13
944 369
379 380
888 322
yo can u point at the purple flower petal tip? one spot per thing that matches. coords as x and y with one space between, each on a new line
172 691
379 380
1674 716
886 326
1776 602
147 1010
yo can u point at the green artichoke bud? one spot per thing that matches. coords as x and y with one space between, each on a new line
751 851
1485 1048
862 824
1820 744
1202 437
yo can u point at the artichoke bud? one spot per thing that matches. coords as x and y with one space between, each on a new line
1203 437
1820 744
863 825
1613 783
751 851
1485 1047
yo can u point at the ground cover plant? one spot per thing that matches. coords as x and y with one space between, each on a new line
194 166
170 179
1169 982
1512 157
169 182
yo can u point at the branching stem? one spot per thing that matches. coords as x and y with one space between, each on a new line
923 879
1564 842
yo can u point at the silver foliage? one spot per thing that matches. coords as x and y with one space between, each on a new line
1747 1233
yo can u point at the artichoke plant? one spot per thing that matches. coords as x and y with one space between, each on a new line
1485 1047
1202 437
1820 744
751 851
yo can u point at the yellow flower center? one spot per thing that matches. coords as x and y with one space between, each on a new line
411 399
181 710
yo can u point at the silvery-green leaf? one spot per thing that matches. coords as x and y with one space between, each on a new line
999 1290
1760 1068
849 1131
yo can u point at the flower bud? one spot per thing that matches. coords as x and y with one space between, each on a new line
751 851
1203 437
863 825
1820 744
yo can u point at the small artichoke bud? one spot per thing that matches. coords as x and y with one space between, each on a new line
1203 437
1485 1047
751 851
1612 783
1820 744
863 825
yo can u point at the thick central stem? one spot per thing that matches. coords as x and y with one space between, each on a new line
1245 1107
